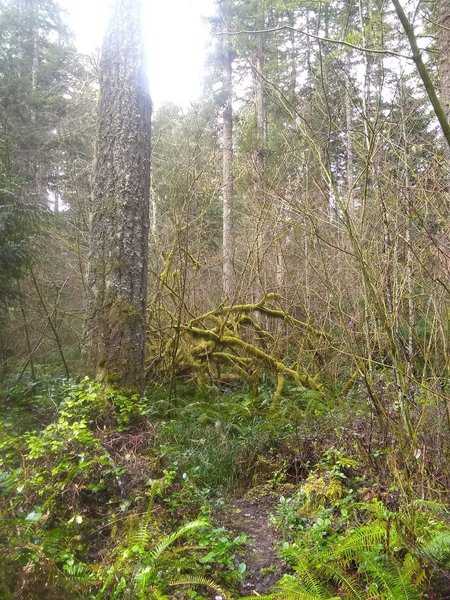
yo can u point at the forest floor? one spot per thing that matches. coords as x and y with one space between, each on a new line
161 492
250 515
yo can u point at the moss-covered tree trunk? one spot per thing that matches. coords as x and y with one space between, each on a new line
114 341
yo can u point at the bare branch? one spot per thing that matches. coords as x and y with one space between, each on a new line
319 38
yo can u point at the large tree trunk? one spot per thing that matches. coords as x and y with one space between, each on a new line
114 342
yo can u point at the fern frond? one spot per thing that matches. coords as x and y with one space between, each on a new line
172 537
155 594
141 535
305 588
343 579
142 580
429 505
80 572
198 580
376 508
437 548
389 579
360 540
115 593
412 569
308 582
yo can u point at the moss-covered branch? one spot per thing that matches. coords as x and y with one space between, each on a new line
263 357
260 307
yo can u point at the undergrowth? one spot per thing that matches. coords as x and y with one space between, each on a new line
109 496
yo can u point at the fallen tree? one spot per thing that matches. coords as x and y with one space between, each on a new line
231 343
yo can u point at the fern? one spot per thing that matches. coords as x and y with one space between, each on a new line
377 509
117 591
172 537
364 548
390 580
437 548
344 580
146 571
80 572
309 583
199 581
360 540
146 574
433 507
155 594
141 536
412 568
327 568
307 588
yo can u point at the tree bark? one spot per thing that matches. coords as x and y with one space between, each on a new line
260 150
349 148
227 155
444 54
115 333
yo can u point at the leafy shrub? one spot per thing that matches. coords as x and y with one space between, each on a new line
69 530
351 549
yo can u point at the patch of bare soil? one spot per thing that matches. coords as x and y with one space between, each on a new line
251 516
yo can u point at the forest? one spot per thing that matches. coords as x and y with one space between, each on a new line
224 334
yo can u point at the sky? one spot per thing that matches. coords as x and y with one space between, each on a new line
177 40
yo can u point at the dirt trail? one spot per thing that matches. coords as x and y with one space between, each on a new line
250 516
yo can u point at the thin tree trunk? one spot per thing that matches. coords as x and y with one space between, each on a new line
28 340
366 75
50 323
349 126
444 54
308 51
227 156
154 213
260 155
260 107
409 255
32 8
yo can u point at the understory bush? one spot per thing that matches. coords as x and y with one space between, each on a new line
340 546
86 509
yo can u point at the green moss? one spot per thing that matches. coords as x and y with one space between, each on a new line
101 362
321 490
122 312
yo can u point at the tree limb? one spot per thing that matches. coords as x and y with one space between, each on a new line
423 71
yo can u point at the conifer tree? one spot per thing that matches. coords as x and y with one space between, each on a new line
114 342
